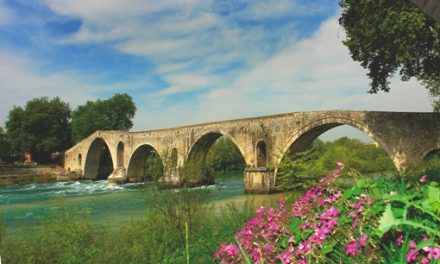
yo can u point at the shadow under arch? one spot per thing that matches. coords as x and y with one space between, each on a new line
120 154
429 164
301 140
144 164
99 162
195 171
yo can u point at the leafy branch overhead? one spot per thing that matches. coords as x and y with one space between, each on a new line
393 36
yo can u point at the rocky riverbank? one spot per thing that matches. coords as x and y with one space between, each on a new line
12 174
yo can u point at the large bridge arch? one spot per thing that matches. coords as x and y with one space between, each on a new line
99 161
195 161
303 137
206 139
136 162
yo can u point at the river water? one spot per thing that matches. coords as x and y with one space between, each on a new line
26 205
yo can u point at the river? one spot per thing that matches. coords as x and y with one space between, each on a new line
112 206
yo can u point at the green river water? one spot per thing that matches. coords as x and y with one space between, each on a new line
26 205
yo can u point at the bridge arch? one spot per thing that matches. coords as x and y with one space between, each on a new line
261 153
98 161
424 153
304 136
138 159
195 163
206 139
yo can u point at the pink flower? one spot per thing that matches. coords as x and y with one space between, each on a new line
425 237
363 240
399 240
351 248
302 261
412 244
281 201
284 257
423 178
411 255
424 261
434 253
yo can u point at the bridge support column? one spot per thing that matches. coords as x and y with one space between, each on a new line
171 178
258 180
118 176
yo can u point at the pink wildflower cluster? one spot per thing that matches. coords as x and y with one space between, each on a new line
424 255
262 236
353 247
313 225
228 254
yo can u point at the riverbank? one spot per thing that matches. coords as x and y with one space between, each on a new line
29 174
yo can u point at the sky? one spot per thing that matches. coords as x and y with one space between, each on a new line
188 62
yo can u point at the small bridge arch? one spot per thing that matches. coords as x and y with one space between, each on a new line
98 162
137 161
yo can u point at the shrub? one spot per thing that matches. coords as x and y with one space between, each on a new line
376 221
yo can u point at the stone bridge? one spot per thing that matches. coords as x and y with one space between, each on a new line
262 141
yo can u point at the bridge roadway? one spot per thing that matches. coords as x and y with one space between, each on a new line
262 141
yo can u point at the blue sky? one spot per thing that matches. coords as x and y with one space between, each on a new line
188 61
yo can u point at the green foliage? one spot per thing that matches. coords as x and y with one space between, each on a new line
153 167
224 155
114 113
430 166
301 170
392 35
42 127
65 237
5 148
297 171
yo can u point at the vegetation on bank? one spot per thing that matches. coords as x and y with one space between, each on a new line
375 221
68 235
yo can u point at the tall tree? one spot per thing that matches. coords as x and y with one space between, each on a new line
5 149
390 36
42 126
115 113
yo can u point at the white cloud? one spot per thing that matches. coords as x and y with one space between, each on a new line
313 74
22 81
189 45
5 14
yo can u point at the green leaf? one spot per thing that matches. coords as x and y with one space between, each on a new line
243 253
326 249
433 194
348 193
387 220
425 243
357 191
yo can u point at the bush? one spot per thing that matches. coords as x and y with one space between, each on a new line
376 221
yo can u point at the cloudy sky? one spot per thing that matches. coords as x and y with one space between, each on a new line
188 61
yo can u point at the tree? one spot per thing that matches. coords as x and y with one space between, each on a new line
114 113
224 155
42 127
392 36
5 149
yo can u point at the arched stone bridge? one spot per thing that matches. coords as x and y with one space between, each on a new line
262 141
